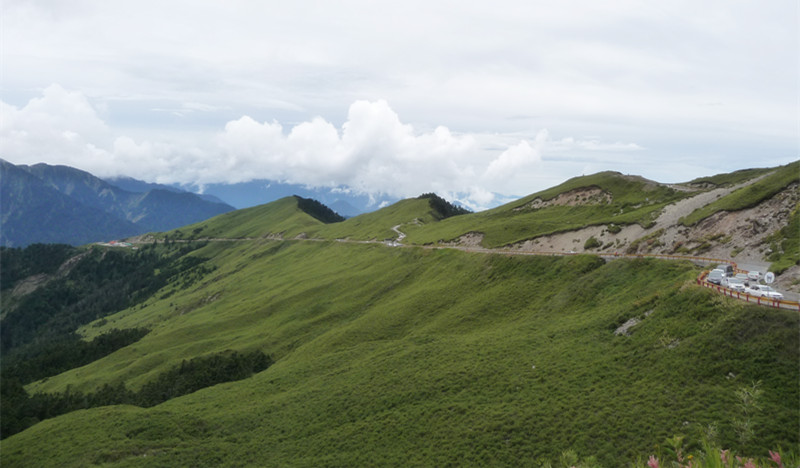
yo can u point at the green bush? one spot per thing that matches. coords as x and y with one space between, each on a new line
591 243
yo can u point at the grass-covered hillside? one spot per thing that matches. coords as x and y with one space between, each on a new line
603 198
751 195
281 335
282 217
729 178
295 216
410 356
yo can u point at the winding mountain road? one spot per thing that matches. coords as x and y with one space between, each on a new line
397 242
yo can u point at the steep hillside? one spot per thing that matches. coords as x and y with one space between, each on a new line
32 212
750 195
406 356
378 224
746 216
281 218
160 210
603 198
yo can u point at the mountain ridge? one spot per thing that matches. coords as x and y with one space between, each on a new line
71 201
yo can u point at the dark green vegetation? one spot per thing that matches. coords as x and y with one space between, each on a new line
36 259
592 243
318 211
60 204
387 356
100 282
751 195
442 207
55 356
21 410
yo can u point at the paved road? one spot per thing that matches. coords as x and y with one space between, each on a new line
762 267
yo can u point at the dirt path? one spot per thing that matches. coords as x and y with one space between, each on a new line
400 235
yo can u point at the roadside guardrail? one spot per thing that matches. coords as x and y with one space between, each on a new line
701 280
765 301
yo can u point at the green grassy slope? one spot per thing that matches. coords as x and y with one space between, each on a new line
634 200
378 224
282 217
397 356
730 178
751 195
785 245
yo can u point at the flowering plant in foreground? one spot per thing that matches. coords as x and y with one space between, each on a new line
717 458
709 457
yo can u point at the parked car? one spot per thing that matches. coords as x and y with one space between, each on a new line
761 290
716 276
754 275
727 269
734 283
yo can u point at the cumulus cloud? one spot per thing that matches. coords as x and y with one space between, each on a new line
60 126
373 152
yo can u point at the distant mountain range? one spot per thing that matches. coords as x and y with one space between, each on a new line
60 204
258 192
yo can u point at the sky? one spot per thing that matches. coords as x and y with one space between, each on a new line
481 102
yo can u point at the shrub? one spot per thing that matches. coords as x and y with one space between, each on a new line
591 243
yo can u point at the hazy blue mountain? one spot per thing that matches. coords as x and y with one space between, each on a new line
34 212
135 185
77 207
345 209
162 210
258 192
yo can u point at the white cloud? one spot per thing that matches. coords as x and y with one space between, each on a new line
373 152
520 157
234 90
60 126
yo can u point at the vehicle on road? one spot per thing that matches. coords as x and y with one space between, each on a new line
734 283
727 269
754 275
716 276
761 290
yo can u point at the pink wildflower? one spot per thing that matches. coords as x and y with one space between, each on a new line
750 464
776 457
653 462
724 456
